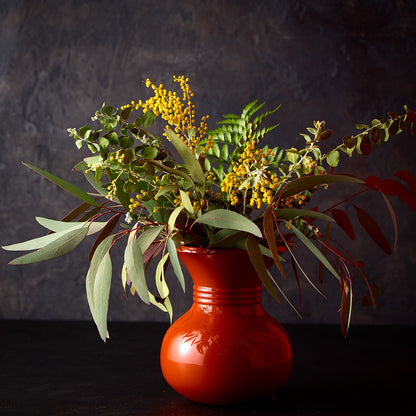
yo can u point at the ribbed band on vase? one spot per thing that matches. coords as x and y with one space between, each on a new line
227 297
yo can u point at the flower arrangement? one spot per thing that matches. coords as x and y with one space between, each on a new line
214 189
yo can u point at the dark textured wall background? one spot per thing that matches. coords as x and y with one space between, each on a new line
341 61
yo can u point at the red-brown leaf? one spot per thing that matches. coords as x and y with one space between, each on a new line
407 177
106 231
372 181
365 145
154 249
373 229
344 304
410 116
343 221
396 188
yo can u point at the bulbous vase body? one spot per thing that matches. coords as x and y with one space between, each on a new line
226 348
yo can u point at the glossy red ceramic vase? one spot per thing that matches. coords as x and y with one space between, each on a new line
226 349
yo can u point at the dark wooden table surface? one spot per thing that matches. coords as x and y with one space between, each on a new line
62 368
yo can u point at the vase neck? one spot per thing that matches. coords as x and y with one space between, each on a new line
227 297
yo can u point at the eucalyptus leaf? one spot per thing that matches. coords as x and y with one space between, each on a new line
269 232
102 286
69 187
161 285
147 119
222 218
291 213
57 226
225 238
133 260
313 249
265 251
85 131
91 178
149 152
190 161
125 141
148 237
186 202
308 182
169 308
99 254
158 302
333 158
65 243
76 212
272 279
257 260
173 256
37 243
173 216
124 276
166 189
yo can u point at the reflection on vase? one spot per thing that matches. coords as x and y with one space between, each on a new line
226 348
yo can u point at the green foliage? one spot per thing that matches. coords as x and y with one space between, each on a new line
230 138
219 189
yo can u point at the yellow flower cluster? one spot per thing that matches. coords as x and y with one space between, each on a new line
112 189
251 166
136 201
199 205
308 165
179 112
294 201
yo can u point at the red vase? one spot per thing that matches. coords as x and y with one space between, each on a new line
226 349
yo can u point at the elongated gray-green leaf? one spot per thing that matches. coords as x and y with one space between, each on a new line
173 216
314 250
161 285
166 189
291 213
133 260
97 186
69 187
147 237
99 254
173 256
283 294
222 218
57 226
60 246
189 159
257 260
265 251
35 243
102 287
169 308
154 301
186 202
124 276
39 242
308 182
